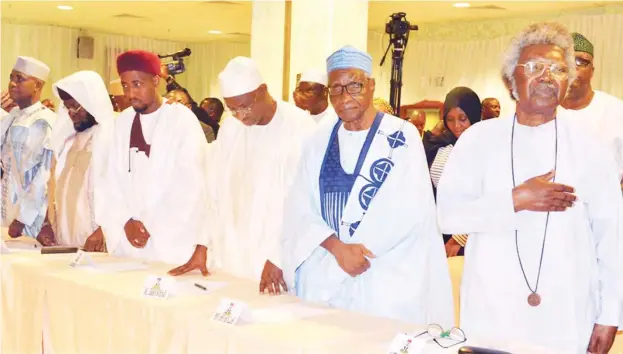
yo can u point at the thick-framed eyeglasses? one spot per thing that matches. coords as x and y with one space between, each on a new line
445 339
243 111
537 68
582 63
352 88
74 110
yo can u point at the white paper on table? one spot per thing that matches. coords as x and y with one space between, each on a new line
286 313
23 243
114 267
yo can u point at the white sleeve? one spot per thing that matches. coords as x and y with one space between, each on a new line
462 205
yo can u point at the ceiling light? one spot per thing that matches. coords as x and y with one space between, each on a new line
462 4
215 32
64 7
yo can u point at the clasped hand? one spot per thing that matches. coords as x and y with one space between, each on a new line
352 257
136 233
539 194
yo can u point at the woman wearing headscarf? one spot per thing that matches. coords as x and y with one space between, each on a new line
461 110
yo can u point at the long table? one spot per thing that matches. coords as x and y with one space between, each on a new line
79 311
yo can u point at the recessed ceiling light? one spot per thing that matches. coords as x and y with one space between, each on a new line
215 32
462 4
64 7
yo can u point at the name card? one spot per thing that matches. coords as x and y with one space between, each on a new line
406 344
82 258
158 287
231 312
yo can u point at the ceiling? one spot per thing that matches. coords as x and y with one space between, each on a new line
191 21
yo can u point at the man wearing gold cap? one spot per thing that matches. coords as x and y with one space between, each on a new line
26 152
597 110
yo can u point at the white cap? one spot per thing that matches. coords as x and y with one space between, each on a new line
315 75
32 67
240 76
115 88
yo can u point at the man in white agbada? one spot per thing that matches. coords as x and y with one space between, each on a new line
81 142
251 167
26 154
155 181
360 229
600 112
543 263
311 94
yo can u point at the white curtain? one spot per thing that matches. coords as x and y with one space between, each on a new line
57 47
470 54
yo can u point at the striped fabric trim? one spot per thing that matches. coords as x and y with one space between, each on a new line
439 163
460 239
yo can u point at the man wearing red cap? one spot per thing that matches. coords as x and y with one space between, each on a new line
155 178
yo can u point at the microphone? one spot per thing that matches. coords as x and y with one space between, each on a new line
179 54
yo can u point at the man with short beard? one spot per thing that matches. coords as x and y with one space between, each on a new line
81 142
155 178
599 111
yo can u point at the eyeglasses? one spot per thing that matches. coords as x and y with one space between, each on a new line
445 339
537 68
74 110
243 111
581 62
353 88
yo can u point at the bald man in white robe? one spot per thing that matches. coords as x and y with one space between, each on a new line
250 170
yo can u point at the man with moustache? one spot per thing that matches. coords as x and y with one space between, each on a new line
81 142
597 110
360 225
26 152
155 178
490 108
543 209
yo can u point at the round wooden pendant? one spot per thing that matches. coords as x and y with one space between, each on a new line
534 299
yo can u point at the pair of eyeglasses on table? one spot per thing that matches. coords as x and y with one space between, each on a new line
444 339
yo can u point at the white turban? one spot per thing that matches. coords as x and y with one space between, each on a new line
314 76
240 76
32 67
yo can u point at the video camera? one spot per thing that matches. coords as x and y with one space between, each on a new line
175 64
398 26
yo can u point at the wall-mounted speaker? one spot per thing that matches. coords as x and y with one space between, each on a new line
86 47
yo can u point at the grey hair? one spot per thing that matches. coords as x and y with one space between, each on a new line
539 33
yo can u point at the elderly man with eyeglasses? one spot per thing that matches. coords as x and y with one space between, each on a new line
544 260
360 229
250 169
597 110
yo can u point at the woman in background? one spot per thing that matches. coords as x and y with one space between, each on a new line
461 110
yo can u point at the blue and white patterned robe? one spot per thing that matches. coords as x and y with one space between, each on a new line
26 160
387 205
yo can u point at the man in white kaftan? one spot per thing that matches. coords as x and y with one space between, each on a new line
155 179
543 212
360 229
311 95
250 169
26 154
81 141
600 112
